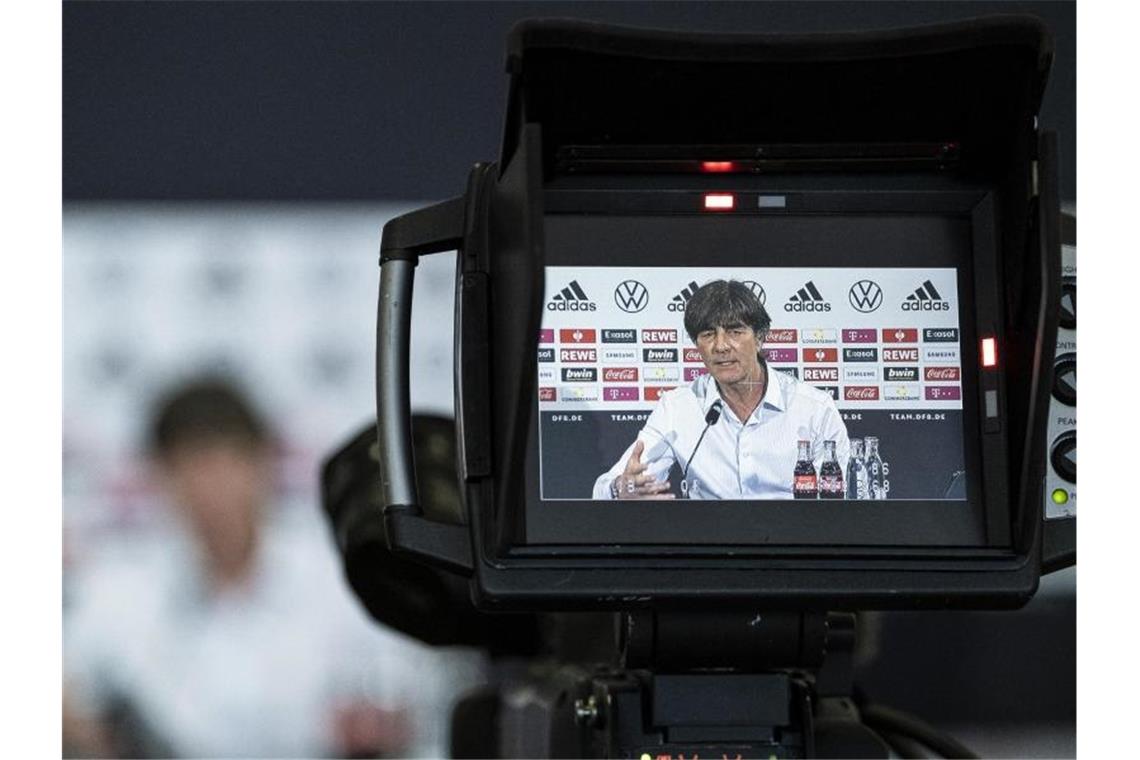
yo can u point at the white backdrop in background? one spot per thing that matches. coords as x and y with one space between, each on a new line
281 296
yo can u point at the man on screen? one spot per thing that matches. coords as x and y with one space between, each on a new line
750 417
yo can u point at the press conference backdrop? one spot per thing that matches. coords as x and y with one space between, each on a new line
280 297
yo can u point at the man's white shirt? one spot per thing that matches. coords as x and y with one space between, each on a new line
737 459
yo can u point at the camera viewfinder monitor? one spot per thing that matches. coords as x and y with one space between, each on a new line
828 387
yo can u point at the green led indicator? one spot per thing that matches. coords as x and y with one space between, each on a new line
1060 496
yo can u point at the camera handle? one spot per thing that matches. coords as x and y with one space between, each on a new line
729 685
429 230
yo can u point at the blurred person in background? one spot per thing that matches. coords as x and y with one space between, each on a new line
237 636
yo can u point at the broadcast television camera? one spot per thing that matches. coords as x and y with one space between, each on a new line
889 200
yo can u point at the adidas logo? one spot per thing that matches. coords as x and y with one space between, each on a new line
925 298
681 300
572 298
807 298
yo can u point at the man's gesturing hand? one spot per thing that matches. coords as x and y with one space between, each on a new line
635 483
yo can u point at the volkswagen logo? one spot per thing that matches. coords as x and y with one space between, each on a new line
865 296
757 291
631 296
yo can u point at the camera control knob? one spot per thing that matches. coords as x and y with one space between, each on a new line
1069 303
1064 456
1065 379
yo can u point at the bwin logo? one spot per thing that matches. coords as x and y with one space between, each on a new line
865 296
681 300
807 298
631 296
925 298
572 298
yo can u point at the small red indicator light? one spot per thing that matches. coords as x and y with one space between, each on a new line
716 166
720 201
989 352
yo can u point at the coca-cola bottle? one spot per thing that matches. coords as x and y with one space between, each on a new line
830 474
804 485
858 485
875 473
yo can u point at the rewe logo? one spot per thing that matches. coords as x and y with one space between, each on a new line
821 374
900 354
631 296
865 296
572 298
681 300
807 298
925 298
658 336
578 355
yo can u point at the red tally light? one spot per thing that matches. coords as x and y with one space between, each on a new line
720 202
717 166
989 352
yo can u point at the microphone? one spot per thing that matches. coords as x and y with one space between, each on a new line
710 419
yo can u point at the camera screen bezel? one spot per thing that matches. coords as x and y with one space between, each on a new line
883 529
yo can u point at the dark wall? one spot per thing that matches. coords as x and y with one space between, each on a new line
335 100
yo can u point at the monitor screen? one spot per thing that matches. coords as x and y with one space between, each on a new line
781 361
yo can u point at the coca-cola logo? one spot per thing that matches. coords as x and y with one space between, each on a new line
619 374
943 374
546 394
692 355
861 393
780 335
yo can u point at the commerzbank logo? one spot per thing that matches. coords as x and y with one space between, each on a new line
571 298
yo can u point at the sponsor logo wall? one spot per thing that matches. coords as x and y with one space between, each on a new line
872 339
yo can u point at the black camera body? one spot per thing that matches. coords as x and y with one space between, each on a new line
871 157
